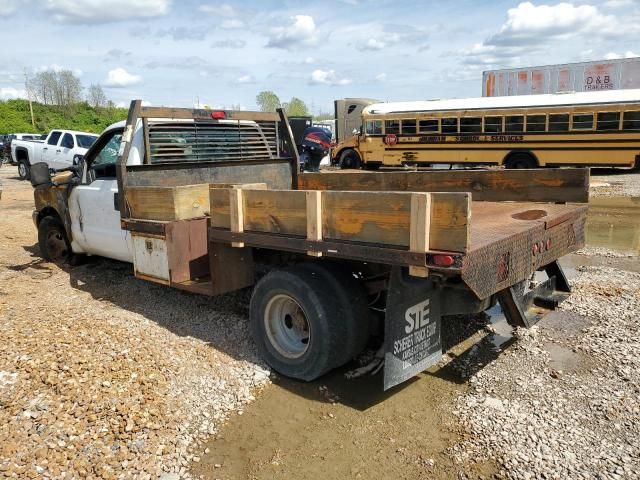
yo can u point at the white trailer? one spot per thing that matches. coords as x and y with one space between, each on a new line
568 77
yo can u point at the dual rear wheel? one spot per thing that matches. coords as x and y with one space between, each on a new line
309 318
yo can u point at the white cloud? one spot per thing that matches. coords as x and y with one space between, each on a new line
618 3
615 56
530 24
309 60
54 67
245 79
327 77
7 93
232 24
224 10
8 7
119 77
372 44
103 11
146 103
300 32
381 77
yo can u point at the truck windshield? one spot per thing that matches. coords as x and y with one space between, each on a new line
85 141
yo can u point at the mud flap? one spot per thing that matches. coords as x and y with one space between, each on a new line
412 327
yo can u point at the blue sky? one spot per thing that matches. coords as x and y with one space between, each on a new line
223 53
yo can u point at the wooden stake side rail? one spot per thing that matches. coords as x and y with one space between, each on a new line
540 185
318 222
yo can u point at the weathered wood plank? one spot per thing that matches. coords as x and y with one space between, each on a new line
542 185
381 218
236 213
168 203
450 221
420 229
314 219
219 212
275 211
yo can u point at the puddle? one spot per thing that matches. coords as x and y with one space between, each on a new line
614 223
336 428
563 359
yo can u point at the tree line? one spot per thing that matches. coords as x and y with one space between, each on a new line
64 88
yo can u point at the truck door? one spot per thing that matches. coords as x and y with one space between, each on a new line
64 153
49 149
93 205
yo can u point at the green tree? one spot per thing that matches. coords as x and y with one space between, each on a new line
96 97
296 108
267 101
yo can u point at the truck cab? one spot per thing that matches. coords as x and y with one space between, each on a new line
59 150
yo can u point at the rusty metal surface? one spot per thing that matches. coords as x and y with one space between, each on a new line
276 174
54 197
501 252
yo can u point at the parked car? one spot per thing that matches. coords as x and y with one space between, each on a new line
5 146
58 151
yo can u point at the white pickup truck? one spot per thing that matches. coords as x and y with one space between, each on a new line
58 150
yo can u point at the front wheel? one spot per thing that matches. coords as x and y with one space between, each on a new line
350 159
23 170
53 242
297 326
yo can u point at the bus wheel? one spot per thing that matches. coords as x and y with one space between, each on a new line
521 160
297 324
350 159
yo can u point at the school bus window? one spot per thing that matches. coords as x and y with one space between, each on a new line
471 125
631 121
608 121
559 122
514 123
536 123
392 126
449 125
583 121
373 127
493 124
409 127
429 126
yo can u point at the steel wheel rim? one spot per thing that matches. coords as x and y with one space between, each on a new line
56 245
287 327
22 169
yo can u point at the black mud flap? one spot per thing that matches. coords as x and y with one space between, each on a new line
412 327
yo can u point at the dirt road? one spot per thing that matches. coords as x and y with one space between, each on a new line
106 376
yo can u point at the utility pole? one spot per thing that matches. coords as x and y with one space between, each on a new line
28 90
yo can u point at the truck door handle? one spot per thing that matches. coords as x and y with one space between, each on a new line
46 148
116 201
58 151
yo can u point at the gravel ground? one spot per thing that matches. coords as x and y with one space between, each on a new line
105 376
614 183
562 402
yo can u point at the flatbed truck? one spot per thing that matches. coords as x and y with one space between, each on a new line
209 202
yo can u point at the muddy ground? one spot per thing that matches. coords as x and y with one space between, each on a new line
206 408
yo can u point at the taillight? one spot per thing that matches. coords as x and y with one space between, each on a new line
443 260
218 114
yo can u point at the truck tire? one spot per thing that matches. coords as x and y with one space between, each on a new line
23 170
350 295
53 242
296 323
350 159
520 160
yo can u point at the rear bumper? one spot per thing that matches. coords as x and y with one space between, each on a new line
499 265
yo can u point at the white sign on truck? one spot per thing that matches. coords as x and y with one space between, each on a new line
568 77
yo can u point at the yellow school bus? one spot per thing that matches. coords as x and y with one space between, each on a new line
528 131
